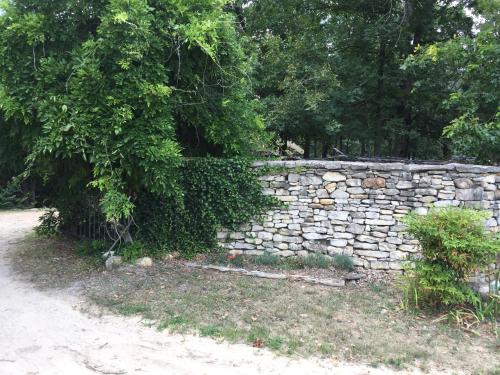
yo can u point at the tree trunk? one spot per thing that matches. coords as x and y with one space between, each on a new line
307 146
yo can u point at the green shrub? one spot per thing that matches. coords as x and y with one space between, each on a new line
267 259
94 248
49 224
343 262
454 244
11 197
317 261
133 251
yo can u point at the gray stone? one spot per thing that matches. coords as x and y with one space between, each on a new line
313 236
355 190
339 194
475 194
355 228
334 177
463 183
113 261
338 215
365 246
404 185
310 180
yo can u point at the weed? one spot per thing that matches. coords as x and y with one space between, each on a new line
129 310
274 343
343 262
267 259
211 331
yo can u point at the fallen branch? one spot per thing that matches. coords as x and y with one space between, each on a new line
268 275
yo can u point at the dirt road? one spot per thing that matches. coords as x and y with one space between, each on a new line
43 333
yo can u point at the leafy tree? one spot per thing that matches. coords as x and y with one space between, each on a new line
462 77
108 95
375 106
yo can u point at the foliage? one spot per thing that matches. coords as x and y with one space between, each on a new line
454 245
107 96
467 91
329 73
49 224
343 262
216 194
94 248
11 197
132 251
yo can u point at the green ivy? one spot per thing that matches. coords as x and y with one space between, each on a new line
215 194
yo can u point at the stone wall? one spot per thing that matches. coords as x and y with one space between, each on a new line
354 208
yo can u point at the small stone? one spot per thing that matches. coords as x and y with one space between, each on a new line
113 262
144 262
334 177
326 202
330 188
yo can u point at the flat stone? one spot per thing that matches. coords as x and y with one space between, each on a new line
475 194
339 194
334 177
404 185
326 202
313 236
338 242
373 182
372 254
338 215
365 246
351 276
355 228
310 180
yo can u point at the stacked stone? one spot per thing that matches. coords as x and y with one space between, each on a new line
356 208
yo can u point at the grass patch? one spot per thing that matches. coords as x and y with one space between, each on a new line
355 323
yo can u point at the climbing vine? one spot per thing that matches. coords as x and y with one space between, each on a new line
215 193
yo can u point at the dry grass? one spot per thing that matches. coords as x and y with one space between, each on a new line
352 323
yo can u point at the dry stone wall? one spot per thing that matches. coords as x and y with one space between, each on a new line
354 208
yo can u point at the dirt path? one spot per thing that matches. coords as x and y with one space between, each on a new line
43 333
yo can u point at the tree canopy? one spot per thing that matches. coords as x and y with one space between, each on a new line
108 96
111 94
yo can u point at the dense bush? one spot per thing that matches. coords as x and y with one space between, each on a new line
214 193
454 245
12 197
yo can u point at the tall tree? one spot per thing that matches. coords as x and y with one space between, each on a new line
111 93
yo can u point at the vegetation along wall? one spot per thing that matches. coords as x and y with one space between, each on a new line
354 208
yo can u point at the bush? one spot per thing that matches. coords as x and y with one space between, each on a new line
454 244
343 262
49 224
132 251
12 197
